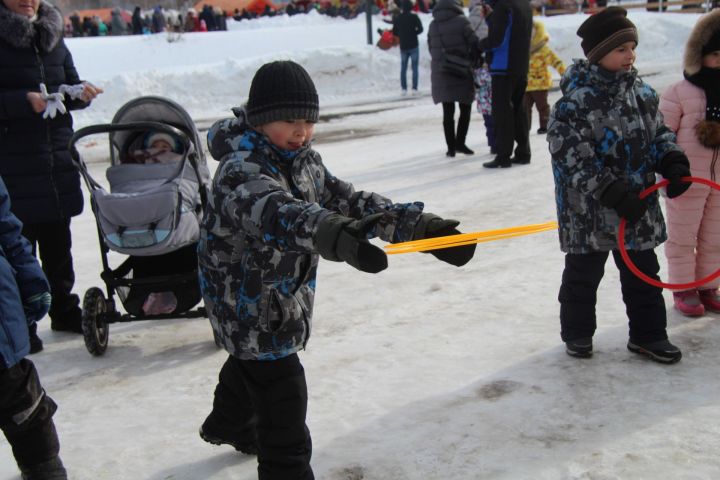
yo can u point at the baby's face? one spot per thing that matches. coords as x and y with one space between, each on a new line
711 60
161 145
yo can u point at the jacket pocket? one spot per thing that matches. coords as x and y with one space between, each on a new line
280 312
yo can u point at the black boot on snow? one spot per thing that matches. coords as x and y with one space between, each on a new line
580 347
52 469
219 436
661 351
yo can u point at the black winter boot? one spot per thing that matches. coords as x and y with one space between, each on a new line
68 320
661 351
462 130
499 162
580 347
36 345
52 469
213 433
449 128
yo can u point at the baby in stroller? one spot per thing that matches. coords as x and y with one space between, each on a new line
159 148
167 152
158 181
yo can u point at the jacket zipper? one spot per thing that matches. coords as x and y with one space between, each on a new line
716 150
48 137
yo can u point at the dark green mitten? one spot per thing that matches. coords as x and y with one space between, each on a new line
430 226
344 239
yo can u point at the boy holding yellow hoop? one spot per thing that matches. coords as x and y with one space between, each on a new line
273 211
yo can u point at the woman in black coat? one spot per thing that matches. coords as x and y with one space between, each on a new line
451 32
35 163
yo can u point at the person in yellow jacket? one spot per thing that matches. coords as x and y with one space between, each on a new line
539 78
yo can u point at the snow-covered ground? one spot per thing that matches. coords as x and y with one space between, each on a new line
424 371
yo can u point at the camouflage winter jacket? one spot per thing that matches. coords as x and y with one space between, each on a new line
257 249
606 127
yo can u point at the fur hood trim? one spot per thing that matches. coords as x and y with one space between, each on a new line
20 32
705 27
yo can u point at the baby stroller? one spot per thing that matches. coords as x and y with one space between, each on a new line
151 213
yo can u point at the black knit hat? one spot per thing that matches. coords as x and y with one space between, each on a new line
713 44
282 90
605 31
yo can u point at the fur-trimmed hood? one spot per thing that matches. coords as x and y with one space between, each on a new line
705 27
20 32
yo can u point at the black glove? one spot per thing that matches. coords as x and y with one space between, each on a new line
344 239
430 226
37 306
627 204
675 165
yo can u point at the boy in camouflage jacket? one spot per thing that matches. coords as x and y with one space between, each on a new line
273 210
607 139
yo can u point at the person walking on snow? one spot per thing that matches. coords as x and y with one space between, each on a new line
407 27
273 211
450 32
26 411
479 11
692 109
542 57
35 127
607 139
507 50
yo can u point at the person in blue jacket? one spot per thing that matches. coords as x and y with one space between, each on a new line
25 409
507 48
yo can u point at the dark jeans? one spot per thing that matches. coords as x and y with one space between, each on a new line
509 117
26 415
271 398
53 242
452 138
644 303
413 54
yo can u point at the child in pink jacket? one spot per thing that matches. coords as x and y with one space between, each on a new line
692 109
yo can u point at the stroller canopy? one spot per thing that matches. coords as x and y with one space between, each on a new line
154 109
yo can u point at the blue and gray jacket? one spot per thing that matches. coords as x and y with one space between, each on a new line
257 250
606 127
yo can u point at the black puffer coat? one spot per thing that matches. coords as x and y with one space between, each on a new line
34 158
451 31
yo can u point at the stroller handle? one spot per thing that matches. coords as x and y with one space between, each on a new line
120 127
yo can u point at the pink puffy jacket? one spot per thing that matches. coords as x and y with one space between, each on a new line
683 105
693 219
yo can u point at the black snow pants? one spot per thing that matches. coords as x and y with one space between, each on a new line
509 117
271 397
26 415
644 303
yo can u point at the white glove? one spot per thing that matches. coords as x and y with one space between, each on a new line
75 91
54 102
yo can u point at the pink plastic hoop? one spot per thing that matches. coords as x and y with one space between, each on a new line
641 275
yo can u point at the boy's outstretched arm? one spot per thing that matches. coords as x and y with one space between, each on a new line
344 239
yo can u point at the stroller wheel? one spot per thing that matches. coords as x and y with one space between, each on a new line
94 324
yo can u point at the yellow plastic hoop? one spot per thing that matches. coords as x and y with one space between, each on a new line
449 241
